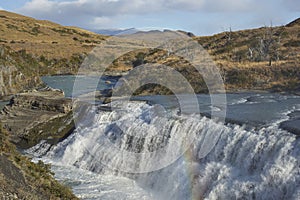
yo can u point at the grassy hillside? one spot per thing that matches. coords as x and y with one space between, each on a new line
57 49
266 46
266 58
263 58
31 48
280 43
44 38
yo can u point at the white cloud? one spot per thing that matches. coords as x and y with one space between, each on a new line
101 22
102 8
111 13
230 5
182 4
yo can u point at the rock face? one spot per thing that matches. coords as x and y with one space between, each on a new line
16 73
12 80
38 115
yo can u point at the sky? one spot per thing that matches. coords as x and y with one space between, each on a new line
201 17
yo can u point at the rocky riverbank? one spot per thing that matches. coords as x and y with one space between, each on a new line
29 118
22 179
38 115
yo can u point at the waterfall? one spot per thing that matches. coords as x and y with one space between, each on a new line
242 164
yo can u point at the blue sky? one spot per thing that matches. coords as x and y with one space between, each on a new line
202 17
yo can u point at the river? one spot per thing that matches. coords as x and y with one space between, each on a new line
141 149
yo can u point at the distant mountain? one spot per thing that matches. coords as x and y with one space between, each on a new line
112 32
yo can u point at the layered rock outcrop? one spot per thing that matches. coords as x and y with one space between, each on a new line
38 115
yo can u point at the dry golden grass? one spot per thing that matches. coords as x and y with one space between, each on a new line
233 47
40 37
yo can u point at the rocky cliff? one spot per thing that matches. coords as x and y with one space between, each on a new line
18 72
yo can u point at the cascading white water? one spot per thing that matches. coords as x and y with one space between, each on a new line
244 164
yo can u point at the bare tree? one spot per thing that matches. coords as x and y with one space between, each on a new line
267 47
228 35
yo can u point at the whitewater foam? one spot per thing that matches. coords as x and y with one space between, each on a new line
244 164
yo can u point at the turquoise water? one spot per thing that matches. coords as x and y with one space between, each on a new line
254 109
66 83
